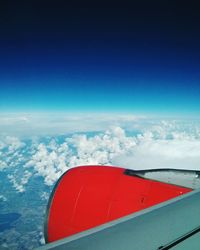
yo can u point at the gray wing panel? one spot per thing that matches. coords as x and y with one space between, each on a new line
147 230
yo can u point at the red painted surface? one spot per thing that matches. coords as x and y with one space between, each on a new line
92 195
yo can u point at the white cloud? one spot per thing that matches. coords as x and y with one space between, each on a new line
181 151
19 185
13 144
49 164
3 198
42 239
3 165
52 160
37 124
26 176
100 149
44 196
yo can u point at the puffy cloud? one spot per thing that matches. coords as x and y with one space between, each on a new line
42 239
12 154
12 143
20 185
3 165
3 198
53 159
99 149
49 164
44 196
25 177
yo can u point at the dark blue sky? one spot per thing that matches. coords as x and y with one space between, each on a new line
142 58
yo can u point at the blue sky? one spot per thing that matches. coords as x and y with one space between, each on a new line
90 58
105 93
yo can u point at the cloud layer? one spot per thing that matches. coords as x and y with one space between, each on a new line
180 153
45 124
160 144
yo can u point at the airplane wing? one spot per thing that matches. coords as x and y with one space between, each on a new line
109 208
